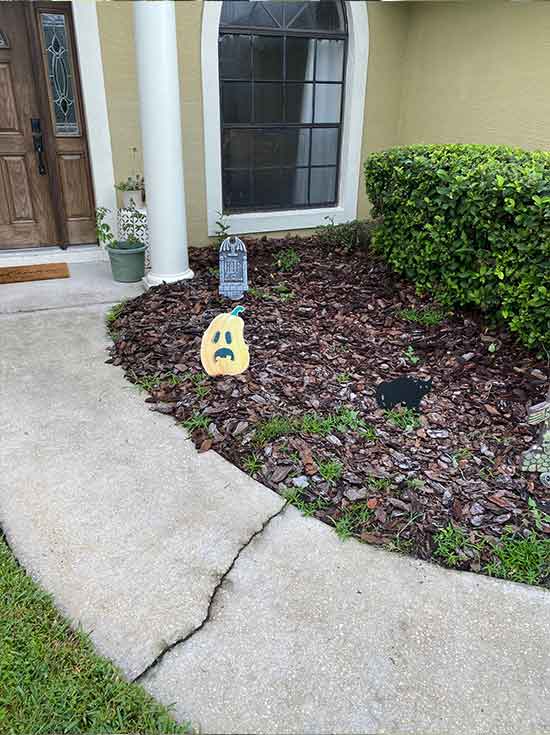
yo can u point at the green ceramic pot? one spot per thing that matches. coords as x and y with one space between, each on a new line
127 262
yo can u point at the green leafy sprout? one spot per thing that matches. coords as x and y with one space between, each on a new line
253 464
312 424
343 378
196 421
410 355
295 497
404 418
114 313
427 317
352 520
515 557
153 382
330 470
286 260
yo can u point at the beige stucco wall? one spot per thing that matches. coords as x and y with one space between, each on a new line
116 31
388 27
477 72
387 31
438 72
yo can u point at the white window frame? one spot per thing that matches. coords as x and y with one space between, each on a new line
352 132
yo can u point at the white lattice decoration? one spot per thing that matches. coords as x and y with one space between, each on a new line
125 227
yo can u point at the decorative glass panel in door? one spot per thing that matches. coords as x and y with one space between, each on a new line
60 73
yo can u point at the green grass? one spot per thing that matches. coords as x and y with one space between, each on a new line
307 508
197 378
352 520
258 293
539 517
253 464
114 312
312 424
148 382
460 454
287 259
513 557
284 293
330 470
281 292
410 355
201 391
400 545
368 433
348 418
380 484
343 378
520 559
196 421
316 424
51 680
428 317
450 542
403 418
272 429
152 382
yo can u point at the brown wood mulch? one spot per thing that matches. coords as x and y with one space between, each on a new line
325 347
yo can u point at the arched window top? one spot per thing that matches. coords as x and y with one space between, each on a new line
312 16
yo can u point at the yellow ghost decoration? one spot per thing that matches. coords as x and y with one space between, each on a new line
223 349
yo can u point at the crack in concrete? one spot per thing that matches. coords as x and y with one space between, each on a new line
215 591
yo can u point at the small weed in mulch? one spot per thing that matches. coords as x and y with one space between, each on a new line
325 326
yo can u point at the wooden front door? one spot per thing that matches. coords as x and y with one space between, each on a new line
46 195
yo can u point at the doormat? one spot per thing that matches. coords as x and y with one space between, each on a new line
20 273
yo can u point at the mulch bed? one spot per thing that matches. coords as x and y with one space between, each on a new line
327 347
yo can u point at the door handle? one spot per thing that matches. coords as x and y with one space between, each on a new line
38 143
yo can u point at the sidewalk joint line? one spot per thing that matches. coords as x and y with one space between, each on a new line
85 305
215 591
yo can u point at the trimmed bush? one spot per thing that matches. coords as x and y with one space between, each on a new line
470 224
348 235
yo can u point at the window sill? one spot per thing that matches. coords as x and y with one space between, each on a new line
283 221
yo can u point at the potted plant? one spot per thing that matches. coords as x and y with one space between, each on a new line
132 191
127 256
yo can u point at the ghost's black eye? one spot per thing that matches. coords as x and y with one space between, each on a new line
228 337
216 338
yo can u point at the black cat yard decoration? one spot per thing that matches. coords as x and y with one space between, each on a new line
407 391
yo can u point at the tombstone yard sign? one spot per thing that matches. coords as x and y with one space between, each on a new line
233 268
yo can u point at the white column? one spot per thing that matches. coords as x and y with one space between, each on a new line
159 99
95 103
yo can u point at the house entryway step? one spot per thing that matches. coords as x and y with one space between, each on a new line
42 255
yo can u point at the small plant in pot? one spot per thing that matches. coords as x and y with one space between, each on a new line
127 256
132 191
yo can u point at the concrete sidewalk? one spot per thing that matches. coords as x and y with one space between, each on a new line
199 582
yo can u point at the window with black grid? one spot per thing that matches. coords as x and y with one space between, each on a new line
282 73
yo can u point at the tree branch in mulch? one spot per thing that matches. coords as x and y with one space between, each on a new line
304 421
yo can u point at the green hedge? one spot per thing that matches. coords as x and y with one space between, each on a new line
470 224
